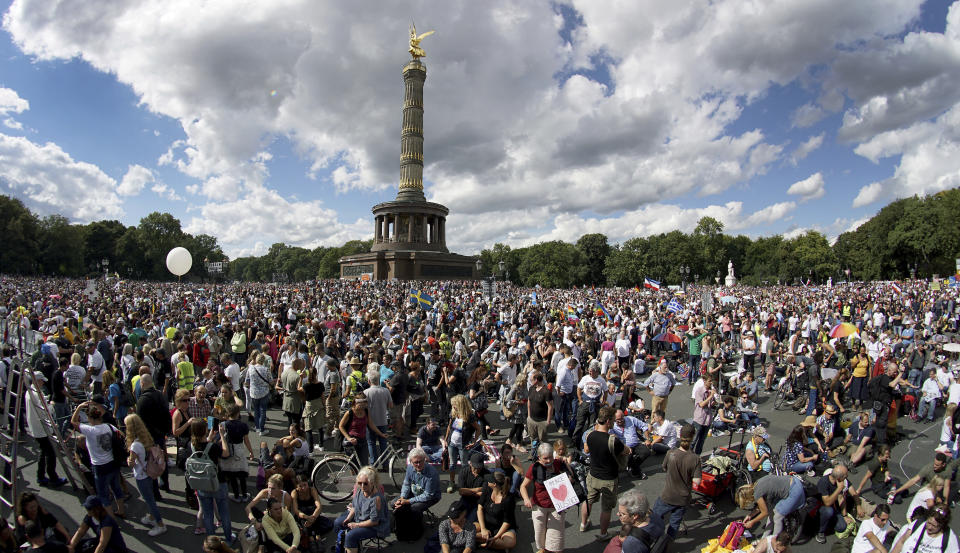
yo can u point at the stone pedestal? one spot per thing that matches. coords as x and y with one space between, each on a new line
730 281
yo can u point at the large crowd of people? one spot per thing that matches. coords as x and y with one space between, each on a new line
579 379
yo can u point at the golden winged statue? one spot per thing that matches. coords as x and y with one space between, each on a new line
415 50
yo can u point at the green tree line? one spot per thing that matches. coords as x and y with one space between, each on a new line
918 233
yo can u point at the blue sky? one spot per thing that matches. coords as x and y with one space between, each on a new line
544 120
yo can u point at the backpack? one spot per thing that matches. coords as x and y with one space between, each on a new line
126 392
155 463
118 446
408 525
201 471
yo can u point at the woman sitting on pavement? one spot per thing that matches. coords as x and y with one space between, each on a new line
367 515
307 508
30 510
281 530
455 534
758 453
274 490
288 452
795 457
496 514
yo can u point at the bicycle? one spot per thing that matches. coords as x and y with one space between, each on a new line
788 391
334 475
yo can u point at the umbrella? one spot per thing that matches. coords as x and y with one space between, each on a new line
683 328
843 330
952 347
668 337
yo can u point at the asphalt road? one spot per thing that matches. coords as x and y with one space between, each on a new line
909 455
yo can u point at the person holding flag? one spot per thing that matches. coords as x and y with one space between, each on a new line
420 298
650 283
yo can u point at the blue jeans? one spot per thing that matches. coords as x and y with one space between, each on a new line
676 512
260 412
106 478
434 453
355 536
62 413
145 485
800 467
565 414
515 482
829 515
700 437
926 404
694 369
753 419
207 501
812 401
376 444
793 501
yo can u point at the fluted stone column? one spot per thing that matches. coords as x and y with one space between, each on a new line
411 134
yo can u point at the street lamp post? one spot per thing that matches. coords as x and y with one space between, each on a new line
718 276
684 273
913 271
696 278
503 271
847 271
105 263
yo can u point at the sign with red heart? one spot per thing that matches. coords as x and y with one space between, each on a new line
561 492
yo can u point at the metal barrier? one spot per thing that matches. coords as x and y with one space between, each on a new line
13 333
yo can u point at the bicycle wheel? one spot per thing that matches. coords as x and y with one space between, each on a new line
334 477
740 478
780 399
397 468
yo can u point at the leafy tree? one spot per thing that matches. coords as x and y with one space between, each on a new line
595 250
552 265
20 231
60 246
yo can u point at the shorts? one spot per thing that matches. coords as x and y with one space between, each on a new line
604 490
396 413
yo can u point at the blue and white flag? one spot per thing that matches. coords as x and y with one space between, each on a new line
674 306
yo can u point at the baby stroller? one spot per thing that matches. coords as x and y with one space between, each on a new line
724 472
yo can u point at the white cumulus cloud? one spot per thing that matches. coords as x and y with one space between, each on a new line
136 177
808 146
809 188
51 181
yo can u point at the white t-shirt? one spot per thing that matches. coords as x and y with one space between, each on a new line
666 430
920 498
592 388
508 373
928 543
98 442
233 373
140 465
623 347
953 393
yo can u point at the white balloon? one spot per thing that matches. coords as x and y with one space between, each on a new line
179 261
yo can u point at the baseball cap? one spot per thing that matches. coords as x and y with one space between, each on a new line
91 502
476 460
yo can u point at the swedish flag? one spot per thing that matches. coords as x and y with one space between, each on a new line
420 298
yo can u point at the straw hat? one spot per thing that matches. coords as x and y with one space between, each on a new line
809 422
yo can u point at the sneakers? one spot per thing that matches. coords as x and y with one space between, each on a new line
811 473
450 488
719 433
583 527
236 499
318 448
821 538
605 536
56 483
156 531
147 520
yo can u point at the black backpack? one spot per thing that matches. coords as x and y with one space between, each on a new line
408 525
